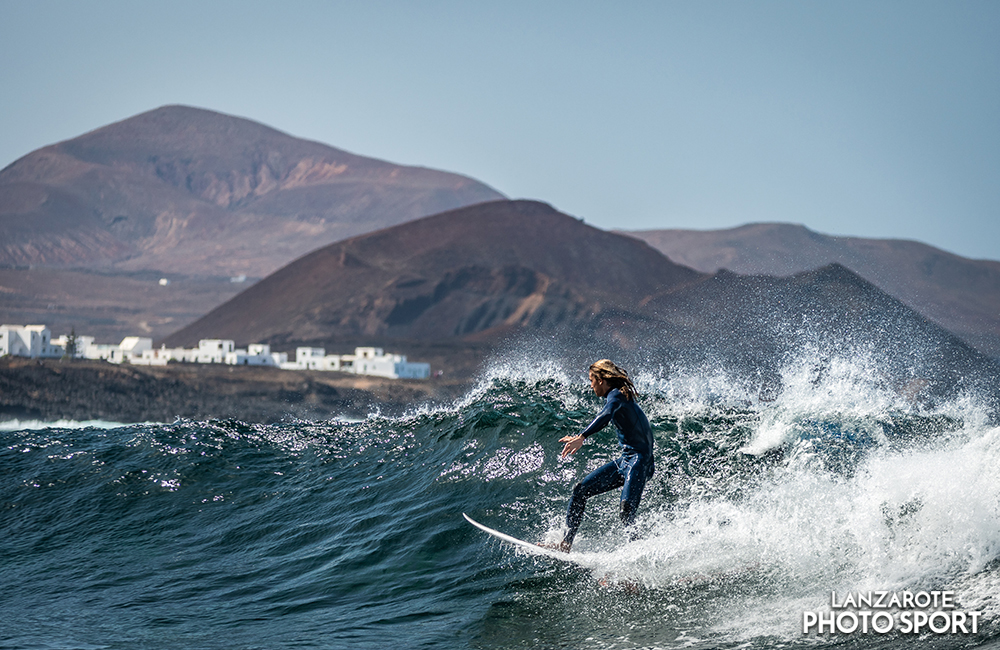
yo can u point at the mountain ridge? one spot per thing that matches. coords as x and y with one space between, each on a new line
497 266
960 294
188 190
89 225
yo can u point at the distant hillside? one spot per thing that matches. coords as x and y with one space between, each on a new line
481 271
829 310
190 191
757 329
524 275
960 294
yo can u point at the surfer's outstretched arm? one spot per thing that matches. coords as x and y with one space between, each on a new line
573 444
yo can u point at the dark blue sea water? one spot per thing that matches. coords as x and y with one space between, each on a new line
223 534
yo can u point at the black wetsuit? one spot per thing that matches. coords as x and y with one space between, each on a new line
630 472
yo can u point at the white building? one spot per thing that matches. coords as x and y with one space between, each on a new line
81 344
155 357
256 354
374 361
364 361
214 350
34 341
104 352
309 359
130 350
163 355
133 346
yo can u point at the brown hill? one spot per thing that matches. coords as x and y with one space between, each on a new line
470 273
960 294
185 190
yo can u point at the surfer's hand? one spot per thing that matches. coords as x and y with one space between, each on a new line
573 443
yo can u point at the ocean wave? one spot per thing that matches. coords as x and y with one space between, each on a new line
770 493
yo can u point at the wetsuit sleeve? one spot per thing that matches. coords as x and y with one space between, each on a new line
600 421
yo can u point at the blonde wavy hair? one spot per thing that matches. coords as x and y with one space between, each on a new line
616 377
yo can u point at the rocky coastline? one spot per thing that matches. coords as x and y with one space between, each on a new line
53 389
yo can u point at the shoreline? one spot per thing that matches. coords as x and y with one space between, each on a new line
62 389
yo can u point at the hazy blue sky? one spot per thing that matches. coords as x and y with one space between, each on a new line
867 118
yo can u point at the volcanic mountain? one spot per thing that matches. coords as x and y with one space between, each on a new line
474 272
960 294
523 272
190 191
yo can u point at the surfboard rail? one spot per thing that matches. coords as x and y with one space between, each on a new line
530 547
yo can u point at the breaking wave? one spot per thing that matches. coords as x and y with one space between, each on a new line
770 494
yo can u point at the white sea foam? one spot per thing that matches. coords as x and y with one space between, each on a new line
924 518
35 425
918 513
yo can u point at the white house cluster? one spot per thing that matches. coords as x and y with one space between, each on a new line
35 341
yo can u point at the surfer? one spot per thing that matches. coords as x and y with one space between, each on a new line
633 469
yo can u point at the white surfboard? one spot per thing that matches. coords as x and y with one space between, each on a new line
534 549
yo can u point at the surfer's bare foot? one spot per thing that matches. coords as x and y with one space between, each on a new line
552 546
613 583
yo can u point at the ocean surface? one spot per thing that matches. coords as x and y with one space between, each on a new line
223 534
